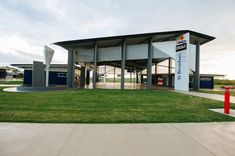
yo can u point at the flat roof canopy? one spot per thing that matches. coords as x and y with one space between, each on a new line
112 41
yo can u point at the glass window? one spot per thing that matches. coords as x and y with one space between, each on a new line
62 74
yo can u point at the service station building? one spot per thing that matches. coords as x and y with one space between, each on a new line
135 53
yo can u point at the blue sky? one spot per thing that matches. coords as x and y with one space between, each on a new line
27 25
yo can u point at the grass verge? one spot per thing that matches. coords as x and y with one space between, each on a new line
107 106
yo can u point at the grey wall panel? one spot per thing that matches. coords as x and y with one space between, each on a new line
133 52
164 49
38 78
85 55
109 54
157 53
136 52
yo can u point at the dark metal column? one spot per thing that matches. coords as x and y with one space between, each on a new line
149 65
137 77
123 61
114 73
196 74
155 73
94 78
71 68
141 77
87 77
169 72
82 77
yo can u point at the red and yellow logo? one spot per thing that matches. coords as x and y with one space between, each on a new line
181 37
181 43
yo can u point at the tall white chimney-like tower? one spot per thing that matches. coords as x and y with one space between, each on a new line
48 54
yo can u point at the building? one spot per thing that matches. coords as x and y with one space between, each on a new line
138 53
216 76
9 73
57 74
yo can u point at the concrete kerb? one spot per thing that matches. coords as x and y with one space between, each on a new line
33 89
221 111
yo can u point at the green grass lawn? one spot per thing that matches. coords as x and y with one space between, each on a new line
107 106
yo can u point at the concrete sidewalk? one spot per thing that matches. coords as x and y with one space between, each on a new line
207 95
117 139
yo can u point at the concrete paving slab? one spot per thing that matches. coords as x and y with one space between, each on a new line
218 138
207 95
221 111
133 140
117 139
33 139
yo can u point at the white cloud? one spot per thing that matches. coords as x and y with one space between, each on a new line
26 26
14 44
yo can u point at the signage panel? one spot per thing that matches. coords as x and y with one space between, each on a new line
182 63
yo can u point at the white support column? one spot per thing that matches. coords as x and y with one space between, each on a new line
48 54
105 74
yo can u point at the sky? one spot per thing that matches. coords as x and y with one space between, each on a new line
27 25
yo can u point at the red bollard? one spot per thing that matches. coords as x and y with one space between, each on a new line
227 99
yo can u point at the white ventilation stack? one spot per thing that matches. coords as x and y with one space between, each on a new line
48 54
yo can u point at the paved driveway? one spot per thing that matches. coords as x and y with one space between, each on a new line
117 139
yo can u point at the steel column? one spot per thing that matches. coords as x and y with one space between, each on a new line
130 76
123 61
137 77
94 78
82 77
155 73
149 65
71 68
114 73
141 77
169 72
196 75
104 73
87 77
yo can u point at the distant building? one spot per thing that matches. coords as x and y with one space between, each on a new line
3 73
57 74
216 76
9 73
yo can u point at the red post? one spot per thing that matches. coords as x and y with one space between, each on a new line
226 101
